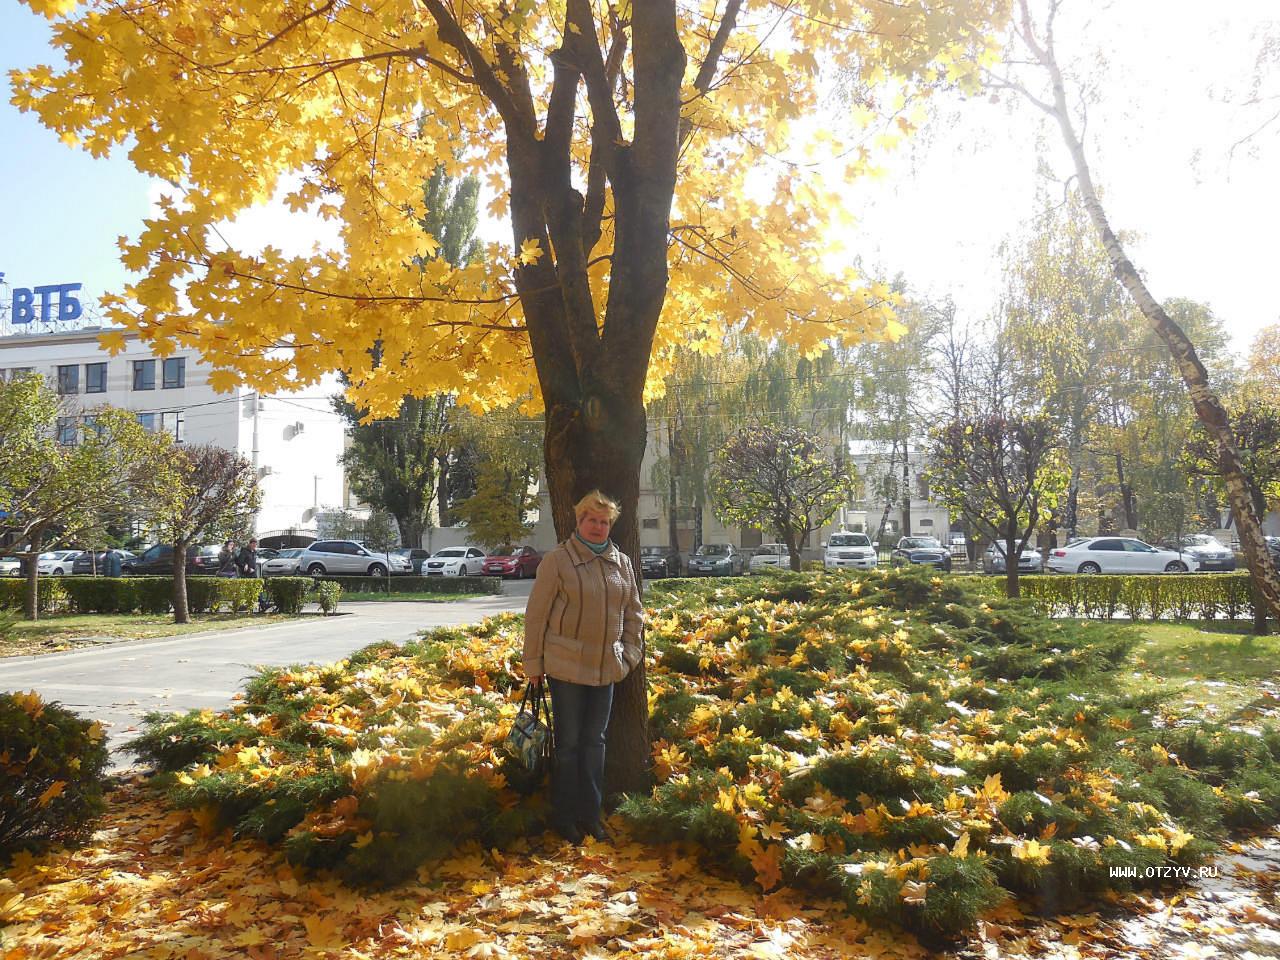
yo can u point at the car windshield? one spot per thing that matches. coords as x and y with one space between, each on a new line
209 551
912 543
849 540
652 551
504 552
291 552
1200 540
452 552
712 550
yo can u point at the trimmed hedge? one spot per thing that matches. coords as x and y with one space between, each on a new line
1207 596
288 594
416 584
211 594
50 594
51 775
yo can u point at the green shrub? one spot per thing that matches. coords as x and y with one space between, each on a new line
1143 597
212 594
288 594
51 764
327 594
104 594
50 595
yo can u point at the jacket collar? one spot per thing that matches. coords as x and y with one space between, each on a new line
581 554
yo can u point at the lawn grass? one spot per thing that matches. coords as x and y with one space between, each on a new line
1221 667
424 596
54 632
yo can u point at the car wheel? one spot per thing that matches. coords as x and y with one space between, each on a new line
377 570
1090 567
1175 566
315 570
59 572
519 572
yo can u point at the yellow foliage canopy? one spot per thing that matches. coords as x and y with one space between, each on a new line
344 109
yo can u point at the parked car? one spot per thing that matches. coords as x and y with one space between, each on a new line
769 556
716 560
1118 555
10 567
1029 560
455 562
202 560
416 557
94 563
267 553
656 562
283 564
1273 546
1211 553
56 563
349 558
518 562
847 550
921 551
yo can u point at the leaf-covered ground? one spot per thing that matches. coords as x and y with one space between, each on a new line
154 884
55 632
906 747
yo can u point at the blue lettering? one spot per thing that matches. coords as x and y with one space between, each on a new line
22 300
68 306
46 302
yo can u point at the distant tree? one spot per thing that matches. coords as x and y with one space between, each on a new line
66 470
1004 474
210 493
1255 424
506 450
779 478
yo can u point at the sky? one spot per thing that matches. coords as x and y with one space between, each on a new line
1174 74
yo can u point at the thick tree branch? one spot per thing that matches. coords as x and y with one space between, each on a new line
711 63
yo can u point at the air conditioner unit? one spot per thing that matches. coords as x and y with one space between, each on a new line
264 472
298 427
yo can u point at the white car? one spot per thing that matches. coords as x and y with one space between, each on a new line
454 562
283 564
349 558
1118 555
10 567
846 550
56 563
770 556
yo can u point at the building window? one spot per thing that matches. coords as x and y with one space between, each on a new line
144 374
148 421
926 522
175 373
922 487
91 424
650 523
68 379
173 423
67 431
95 378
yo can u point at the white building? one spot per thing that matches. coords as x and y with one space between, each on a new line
294 440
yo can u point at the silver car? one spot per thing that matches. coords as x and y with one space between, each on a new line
350 559
283 564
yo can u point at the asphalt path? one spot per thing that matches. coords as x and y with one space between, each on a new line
118 683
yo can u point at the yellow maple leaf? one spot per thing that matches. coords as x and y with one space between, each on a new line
1031 851
768 867
324 932
530 251
53 791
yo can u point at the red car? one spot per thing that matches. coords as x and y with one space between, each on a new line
518 562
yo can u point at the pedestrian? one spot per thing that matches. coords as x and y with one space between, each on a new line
227 560
582 631
247 567
113 564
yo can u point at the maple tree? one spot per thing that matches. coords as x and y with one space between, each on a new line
620 141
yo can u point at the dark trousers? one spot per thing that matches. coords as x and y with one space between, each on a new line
581 718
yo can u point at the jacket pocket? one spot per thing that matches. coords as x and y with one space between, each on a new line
562 657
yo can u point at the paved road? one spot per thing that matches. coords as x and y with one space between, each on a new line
118 683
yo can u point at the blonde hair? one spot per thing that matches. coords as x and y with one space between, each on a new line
595 500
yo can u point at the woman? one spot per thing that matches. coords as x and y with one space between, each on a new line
582 631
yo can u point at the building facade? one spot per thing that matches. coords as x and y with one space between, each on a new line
294 440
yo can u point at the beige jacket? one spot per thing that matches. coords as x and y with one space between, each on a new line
584 616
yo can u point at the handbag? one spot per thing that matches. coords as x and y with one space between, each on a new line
531 742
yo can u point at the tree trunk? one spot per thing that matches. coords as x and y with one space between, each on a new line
1207 405
31 595
1127 506
442 488
181 610
697 522
1012 556
602 447
673 489
906 490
